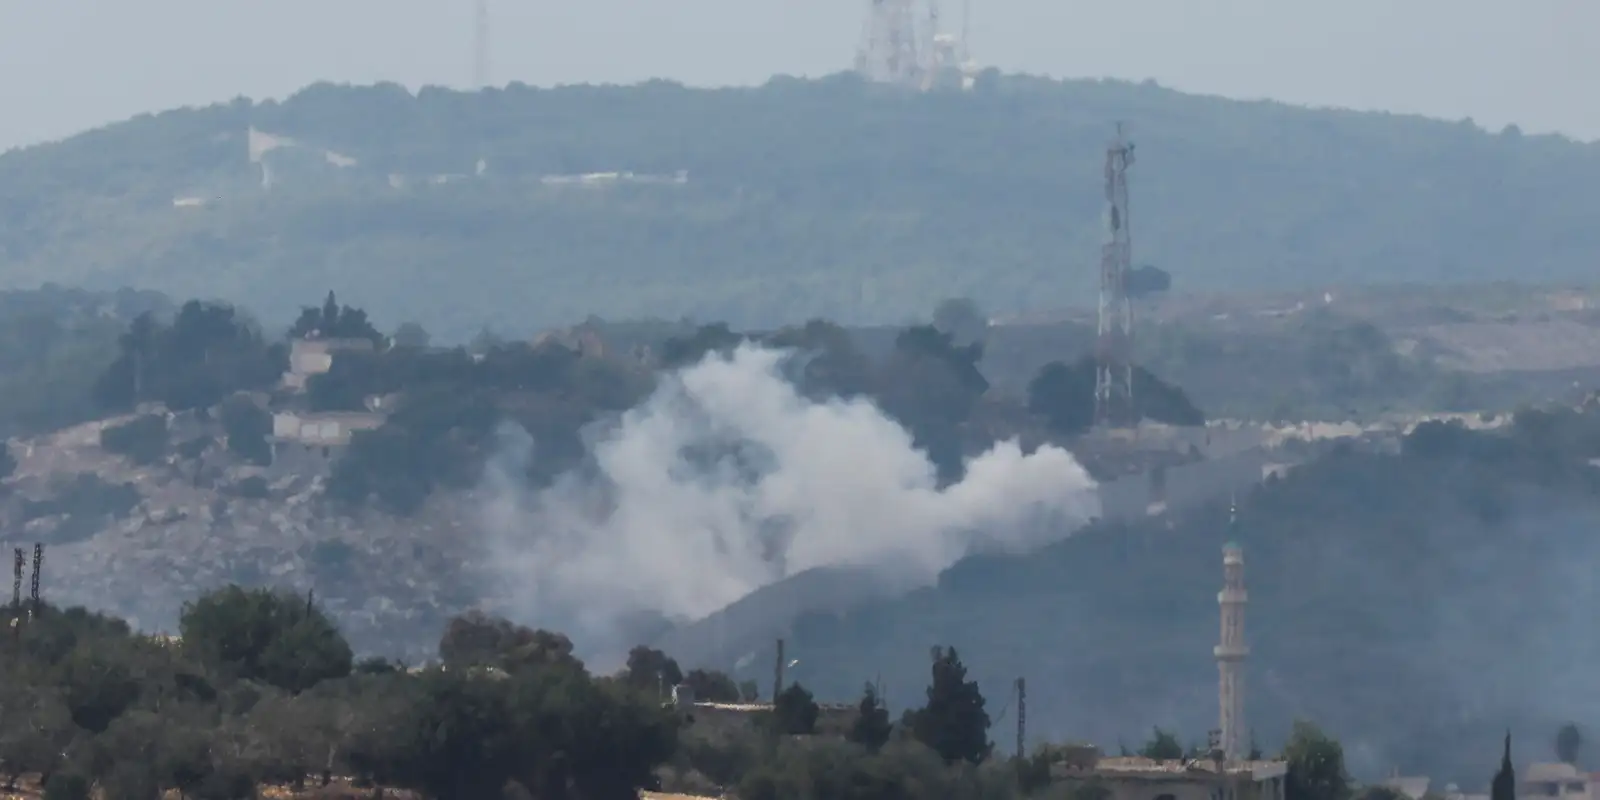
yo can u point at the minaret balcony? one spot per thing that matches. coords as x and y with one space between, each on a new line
1231 652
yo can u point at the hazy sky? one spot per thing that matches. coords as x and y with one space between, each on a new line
66 65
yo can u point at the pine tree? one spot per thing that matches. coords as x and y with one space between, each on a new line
795 711
953 723
872 727
1569 742
1505 781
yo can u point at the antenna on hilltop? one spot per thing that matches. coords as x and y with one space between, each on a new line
1113 384
480 46
967 31
888 52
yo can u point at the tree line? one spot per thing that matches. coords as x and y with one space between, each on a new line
881 204
261 689
211 356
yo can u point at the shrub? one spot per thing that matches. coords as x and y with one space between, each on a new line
143 440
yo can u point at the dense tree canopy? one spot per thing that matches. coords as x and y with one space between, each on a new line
206 353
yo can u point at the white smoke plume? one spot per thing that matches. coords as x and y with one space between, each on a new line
727 479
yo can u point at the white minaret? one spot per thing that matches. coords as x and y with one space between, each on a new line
1231 651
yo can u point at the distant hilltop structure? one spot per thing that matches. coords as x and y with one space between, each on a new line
903 43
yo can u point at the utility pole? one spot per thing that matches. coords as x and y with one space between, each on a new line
1022 718
38 564
777 675
1113 383
16 595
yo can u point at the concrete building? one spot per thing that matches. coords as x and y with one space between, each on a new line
1135 778
1558 780
1412 786
322 428
309 357
728 721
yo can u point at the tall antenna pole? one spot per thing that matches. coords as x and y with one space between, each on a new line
1022 717
966 31
1231 650
38 564
889 49
1113 384
480 46
18 562
777 674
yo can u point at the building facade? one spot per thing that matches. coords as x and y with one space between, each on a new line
1135 778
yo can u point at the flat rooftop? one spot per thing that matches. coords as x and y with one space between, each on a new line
1137 767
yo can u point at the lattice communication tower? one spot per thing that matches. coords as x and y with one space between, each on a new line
480 45
889 51
38 564
1113 384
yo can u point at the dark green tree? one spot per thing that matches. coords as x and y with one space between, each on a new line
795 711
684 351
1504 786
1569 743
1064 395
67 786
872 727
8 462
953 723
458 739
1163 746
1316 765
142 440
333 321
247 426
207 352
410 335
712 686
97 683
961 319
274 637
652 671
475 639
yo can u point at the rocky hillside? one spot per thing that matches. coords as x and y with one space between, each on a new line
140 539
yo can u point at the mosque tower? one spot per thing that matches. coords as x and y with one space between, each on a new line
1231 650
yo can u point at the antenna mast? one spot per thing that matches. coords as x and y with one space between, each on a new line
480 46
888 51
38 564
1113 383
966 32
1022 717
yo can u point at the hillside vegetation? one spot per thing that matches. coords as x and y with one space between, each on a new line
1413 603
803 198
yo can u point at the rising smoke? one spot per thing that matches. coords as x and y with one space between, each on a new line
727 479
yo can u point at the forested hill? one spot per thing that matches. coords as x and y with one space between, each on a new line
803 198
1411 603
